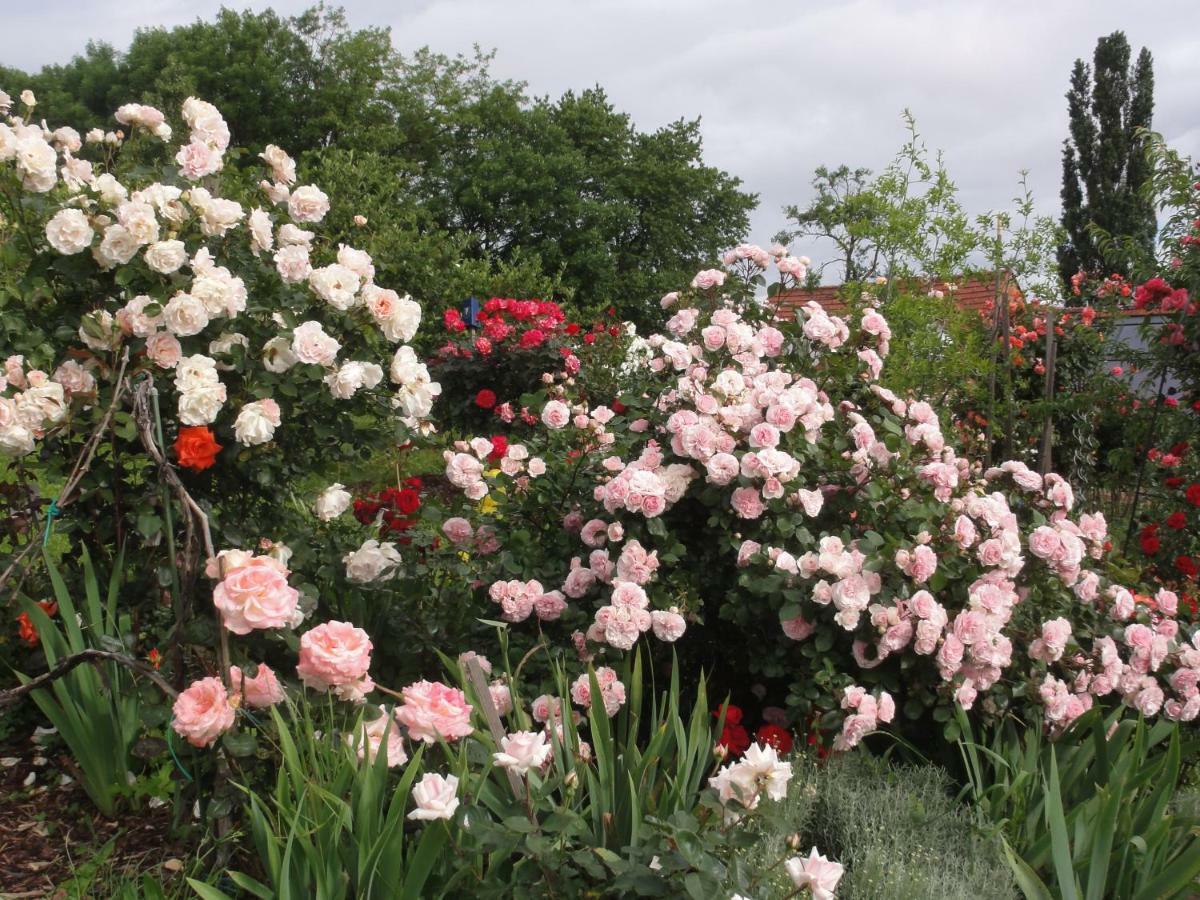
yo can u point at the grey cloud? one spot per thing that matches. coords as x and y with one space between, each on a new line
780 87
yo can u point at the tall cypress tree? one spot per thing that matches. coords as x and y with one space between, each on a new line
1103 163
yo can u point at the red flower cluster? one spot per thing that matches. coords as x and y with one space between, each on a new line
1149 539
393 508
734 737
774 736
1156 295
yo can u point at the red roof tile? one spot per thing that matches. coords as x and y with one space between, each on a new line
971 294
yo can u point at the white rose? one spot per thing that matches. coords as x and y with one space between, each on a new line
99 331
277 355
220 215
74 378
110 190
200 407
372 561
332 502
256 422
292 263
36 162
283 167
336 284
311 344
184 315
290 234
44 404
308 203
133 319
116 248
139 220
225 343
165 257
357 261
398 317
28 99
196 373
261 236
69 232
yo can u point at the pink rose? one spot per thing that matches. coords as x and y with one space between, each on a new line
164 349
556 414
372 737
433 711
549 606
202 712
668 626
798 628
747 503
261 690
256 596
336 655
708 278
458 530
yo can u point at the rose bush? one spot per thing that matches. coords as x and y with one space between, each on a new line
821 533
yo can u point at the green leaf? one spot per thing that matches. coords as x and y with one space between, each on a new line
207 891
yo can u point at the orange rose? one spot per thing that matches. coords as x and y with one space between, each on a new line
196 448
26 630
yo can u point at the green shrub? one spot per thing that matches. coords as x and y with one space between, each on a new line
898 831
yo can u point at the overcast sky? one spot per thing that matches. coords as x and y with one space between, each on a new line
780 88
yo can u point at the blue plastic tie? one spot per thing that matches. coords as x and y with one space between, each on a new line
52 513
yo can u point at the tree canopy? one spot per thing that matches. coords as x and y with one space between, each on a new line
565 194
1108 222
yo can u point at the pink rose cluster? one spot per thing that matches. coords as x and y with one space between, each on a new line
612 691
518 599
644 486
866 712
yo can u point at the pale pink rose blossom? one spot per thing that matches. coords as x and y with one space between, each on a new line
258 691
202 713
256 596
433 711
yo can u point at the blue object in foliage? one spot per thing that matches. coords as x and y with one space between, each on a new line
470 312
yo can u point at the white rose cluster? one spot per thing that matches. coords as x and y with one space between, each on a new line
174 314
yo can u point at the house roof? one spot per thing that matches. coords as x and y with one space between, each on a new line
971 294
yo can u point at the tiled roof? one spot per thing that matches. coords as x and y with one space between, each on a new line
971 294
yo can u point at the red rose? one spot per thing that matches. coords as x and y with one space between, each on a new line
1186 566
1150 544
534 337
485 399
499 448
733 714
1176 520
1192 494
407 501
618 407
735 739
573 328
1173 482
774 736
589 338
196 448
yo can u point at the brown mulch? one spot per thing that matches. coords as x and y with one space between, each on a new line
50 832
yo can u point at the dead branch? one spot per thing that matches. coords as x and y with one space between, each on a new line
65 665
